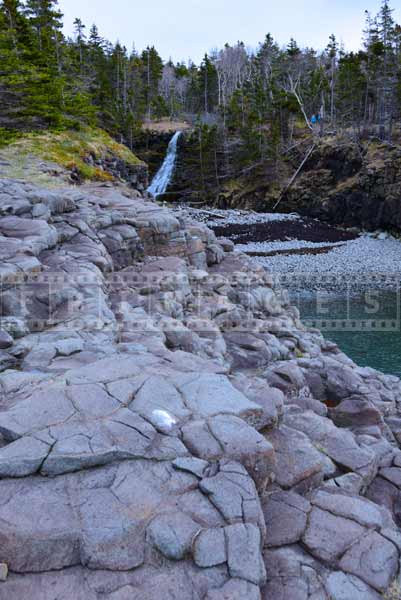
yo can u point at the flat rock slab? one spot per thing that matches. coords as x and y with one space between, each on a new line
244 553
172 534
298 461
339 444
236 589
234 494
286 515
341 586
229 437
102 527
207 395
293 574
358 509
373 559
327 537
176 580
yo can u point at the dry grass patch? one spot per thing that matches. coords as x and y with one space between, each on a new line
71 150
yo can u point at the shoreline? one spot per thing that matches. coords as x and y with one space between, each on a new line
317 256
182 382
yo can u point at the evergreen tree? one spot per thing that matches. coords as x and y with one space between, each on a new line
46 19
332 55
258 101
80 37
388 76
30 92
153 68
207 85
293 50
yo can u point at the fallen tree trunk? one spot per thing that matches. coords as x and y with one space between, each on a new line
293 178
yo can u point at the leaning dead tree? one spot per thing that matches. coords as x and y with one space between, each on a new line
293 89
293 178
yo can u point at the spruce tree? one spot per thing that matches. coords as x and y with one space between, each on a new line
388 75
207 85
46 19
332 54
79 29
153 68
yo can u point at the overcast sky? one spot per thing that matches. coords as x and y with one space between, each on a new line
185 29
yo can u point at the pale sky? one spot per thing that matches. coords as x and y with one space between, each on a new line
184 29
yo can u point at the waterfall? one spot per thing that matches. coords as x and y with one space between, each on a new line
163 176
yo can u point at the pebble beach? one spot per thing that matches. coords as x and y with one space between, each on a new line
333 264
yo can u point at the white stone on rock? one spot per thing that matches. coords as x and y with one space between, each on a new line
163 419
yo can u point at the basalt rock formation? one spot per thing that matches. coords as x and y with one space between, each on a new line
169 428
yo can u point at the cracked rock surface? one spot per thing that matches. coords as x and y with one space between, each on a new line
167 422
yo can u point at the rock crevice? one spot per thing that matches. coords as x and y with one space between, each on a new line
167 422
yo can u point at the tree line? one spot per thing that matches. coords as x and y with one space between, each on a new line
257 99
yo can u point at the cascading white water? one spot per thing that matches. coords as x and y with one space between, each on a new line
163 176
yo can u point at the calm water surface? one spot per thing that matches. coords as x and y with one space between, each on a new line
366 327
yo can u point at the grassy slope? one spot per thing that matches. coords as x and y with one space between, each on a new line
66 149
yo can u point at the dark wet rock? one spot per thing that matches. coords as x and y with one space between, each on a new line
367 192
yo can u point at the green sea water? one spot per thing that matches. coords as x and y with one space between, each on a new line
366 327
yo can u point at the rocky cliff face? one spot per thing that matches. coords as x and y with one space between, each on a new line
342 183
117 169
168 426
151 146
351 185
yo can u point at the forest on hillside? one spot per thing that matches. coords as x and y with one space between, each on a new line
253 101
